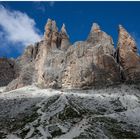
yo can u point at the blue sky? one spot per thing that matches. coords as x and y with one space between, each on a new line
26 21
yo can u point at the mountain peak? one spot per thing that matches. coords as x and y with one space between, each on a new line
95 28
63 31
54 26
120 26
63 28
127 55
126 40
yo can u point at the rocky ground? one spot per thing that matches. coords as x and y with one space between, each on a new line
30 112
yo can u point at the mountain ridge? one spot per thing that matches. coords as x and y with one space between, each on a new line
56 63
61 90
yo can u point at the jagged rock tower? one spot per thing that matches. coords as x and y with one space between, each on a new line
55 63
127 56
91 62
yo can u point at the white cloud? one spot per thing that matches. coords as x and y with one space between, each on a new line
18 27
51 3
39 6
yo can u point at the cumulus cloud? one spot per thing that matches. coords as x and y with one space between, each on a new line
17 27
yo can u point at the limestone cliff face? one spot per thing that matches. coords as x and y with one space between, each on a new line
43 63
91 63
55 63
51 60
127 56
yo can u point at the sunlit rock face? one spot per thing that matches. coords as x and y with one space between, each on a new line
51 58
43 63
65 43
55 39
127 56
56 63
91 63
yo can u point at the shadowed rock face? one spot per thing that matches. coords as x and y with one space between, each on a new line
55 63
127 56
7 71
